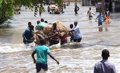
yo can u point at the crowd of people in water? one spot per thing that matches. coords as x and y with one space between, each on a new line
102 17
45 33
42 50
54 37
38 35
49 32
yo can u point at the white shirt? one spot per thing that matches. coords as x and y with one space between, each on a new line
76 33
104 66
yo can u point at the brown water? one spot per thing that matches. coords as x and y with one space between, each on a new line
74 58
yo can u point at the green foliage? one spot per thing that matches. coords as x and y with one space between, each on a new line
6 10
59 2
8 7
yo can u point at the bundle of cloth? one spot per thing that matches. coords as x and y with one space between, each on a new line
60 26
63 31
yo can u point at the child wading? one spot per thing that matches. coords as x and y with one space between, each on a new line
41 51
100 22
107 19
90 14
107 22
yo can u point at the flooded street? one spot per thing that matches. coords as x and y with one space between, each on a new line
73 58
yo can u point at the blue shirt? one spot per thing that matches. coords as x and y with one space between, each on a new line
42 52
76 33
104 66
100 18
28 34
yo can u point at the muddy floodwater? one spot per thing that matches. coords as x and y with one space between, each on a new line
73 57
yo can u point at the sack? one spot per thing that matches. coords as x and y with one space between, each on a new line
61 27
47 29
63 30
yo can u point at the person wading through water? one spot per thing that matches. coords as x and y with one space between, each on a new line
107 19
41 51
54 38
77 37
90 14
100 22
76 9
28 34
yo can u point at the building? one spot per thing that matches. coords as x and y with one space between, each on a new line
88 2
112 5
115 6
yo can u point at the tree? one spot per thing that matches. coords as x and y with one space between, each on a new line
9 7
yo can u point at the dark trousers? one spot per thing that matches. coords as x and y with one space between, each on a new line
40 66
76 12
53 41
77 40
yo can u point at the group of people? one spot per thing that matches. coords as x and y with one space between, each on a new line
52 35
75 32
32 33
29 35
104 66
42 50
101 19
